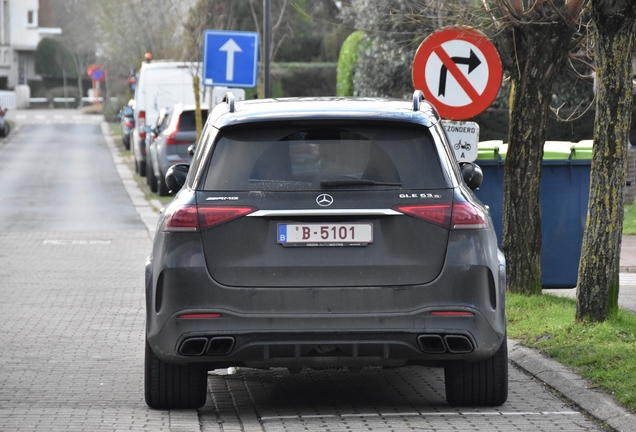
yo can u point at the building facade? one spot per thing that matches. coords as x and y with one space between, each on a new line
20 33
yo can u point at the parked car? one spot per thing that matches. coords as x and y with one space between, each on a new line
325 232
151 136
127 122
176 134
4 123
159 84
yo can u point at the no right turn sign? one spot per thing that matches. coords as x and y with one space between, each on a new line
459 71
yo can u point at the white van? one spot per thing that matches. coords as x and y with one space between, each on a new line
160 84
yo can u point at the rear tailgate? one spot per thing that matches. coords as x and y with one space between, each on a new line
394 249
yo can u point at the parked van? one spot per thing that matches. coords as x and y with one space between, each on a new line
160 84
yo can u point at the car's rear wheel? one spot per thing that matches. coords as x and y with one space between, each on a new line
169 386
151 179
162 187
141 168
481 383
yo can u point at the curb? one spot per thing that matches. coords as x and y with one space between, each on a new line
596 403
148 210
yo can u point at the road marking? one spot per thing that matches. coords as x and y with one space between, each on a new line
76 242
423 414
627 278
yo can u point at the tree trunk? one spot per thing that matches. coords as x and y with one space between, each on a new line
597 292
533 75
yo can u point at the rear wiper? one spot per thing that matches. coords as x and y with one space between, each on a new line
355 182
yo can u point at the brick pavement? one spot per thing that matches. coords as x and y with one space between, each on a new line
71 335
71 332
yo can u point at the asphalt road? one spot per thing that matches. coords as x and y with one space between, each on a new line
72 250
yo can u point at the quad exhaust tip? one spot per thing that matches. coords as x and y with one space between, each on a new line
440 344
212 346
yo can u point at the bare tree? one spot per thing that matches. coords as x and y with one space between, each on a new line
76 18
615 24
127 29
535 37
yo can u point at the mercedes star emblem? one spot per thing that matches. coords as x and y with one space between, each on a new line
324 200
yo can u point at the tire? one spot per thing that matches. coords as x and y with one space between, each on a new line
5 130
151 180
142 168
169 386
481 383
162 187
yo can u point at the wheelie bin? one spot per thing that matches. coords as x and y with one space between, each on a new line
564 194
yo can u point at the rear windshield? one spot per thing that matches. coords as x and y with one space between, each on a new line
187 121
312 158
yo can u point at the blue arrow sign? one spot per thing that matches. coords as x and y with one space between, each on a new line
230 58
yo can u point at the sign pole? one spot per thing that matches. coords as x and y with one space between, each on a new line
267 36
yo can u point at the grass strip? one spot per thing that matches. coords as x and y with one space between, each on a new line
629 221
604 353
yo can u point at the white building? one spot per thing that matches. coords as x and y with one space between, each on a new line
20 34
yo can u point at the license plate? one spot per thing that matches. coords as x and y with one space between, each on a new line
359 234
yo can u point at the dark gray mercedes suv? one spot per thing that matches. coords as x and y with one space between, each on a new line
325 232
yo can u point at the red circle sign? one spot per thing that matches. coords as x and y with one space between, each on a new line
459 71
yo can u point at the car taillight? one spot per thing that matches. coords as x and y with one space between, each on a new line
129 124
141 124
213 216
192 218
183 218
461 215
467 216
171 134
438 214
172 140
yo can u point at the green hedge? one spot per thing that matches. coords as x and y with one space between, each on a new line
347 62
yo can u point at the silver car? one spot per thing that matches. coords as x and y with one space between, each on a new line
175 134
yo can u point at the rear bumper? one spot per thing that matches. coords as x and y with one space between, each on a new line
323 327
275 340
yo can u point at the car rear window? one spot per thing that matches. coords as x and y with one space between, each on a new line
303 158
187 121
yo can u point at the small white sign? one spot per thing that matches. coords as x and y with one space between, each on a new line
219 92
463 137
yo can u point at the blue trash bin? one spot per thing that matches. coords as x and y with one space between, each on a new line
564 194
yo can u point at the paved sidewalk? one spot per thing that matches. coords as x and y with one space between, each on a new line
628 254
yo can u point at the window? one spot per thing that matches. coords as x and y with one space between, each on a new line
303 158
31 19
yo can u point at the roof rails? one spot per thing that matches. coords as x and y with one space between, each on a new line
228 98
418 97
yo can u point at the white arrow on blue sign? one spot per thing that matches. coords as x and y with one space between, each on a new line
230 58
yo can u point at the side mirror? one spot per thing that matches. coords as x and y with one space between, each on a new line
176 177
191 149
472 174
